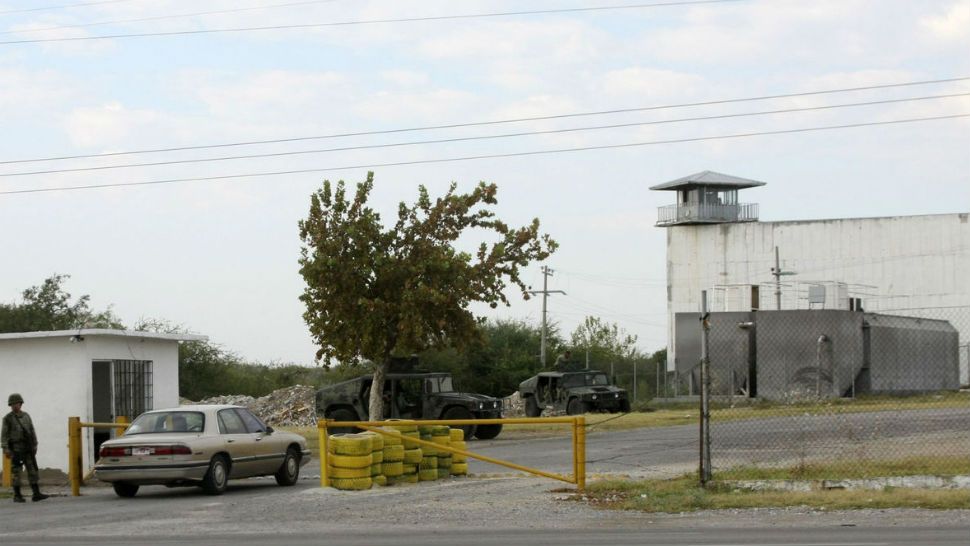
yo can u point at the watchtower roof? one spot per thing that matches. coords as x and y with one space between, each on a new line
708 179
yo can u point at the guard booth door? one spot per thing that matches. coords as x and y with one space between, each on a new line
119 388
102 398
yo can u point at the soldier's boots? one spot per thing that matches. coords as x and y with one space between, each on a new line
38 496
17 497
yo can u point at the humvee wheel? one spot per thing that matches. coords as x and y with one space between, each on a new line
458 412
487 432
342 414
532 408
576 407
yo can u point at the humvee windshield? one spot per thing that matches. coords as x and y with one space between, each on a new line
584 379
440 384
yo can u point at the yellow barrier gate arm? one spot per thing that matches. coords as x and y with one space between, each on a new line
578 441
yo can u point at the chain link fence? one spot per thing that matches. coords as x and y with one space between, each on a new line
797 387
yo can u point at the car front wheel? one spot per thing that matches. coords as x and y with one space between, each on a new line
289 471
215 480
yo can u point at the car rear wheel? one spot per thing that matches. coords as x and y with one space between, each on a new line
289 471
487 432
532 408
576 407
458 412
125 489
216 479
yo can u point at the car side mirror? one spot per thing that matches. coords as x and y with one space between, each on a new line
269 429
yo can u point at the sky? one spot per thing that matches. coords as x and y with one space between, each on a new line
220 257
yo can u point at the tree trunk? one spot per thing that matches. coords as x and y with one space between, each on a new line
375 406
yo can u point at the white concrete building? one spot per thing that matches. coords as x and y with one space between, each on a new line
93 374
904 265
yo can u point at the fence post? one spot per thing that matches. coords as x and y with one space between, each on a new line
74 461
7 469
705 420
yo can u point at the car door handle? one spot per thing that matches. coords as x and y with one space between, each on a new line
230 440
259 438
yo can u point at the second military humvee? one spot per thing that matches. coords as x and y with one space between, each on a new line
411 395
573 392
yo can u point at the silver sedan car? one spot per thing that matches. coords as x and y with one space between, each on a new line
199 445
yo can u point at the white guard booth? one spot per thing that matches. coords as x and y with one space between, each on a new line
94 374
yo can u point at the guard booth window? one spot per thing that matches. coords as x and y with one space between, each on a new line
133 387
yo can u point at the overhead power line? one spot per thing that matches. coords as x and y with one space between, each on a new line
485 123
474 138
476 157
64 6
372 21
162 17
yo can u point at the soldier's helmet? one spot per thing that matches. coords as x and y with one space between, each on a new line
15 398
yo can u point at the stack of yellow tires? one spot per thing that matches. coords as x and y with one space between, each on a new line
440 435
393 458
411 453
350 460
459 463
377 458
428 468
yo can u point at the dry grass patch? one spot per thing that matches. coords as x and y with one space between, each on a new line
855 469
684 494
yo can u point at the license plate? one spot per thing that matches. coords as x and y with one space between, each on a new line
142 451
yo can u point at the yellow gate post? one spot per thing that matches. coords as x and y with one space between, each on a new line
324 438
123 421
7 469
74 461
580 439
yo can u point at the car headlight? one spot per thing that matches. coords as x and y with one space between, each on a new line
481 405
617 395
593 397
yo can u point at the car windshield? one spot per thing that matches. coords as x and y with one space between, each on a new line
441 384
584 379
167 421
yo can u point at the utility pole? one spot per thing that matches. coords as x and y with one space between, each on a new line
546 273
777 273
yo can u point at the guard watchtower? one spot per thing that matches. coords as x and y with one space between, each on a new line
707 198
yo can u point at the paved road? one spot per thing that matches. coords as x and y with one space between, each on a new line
483 510
668 451
883 536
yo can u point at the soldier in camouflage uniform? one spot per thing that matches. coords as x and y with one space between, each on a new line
19 441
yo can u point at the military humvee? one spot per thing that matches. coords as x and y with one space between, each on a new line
575 392
411 395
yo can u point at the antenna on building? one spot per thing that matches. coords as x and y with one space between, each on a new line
777 272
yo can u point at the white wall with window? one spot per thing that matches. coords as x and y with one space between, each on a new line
94 374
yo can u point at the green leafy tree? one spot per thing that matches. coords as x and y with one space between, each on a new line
49 307
604 342
508 354
374 292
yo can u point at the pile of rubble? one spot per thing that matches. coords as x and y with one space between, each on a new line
290 406
513 405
